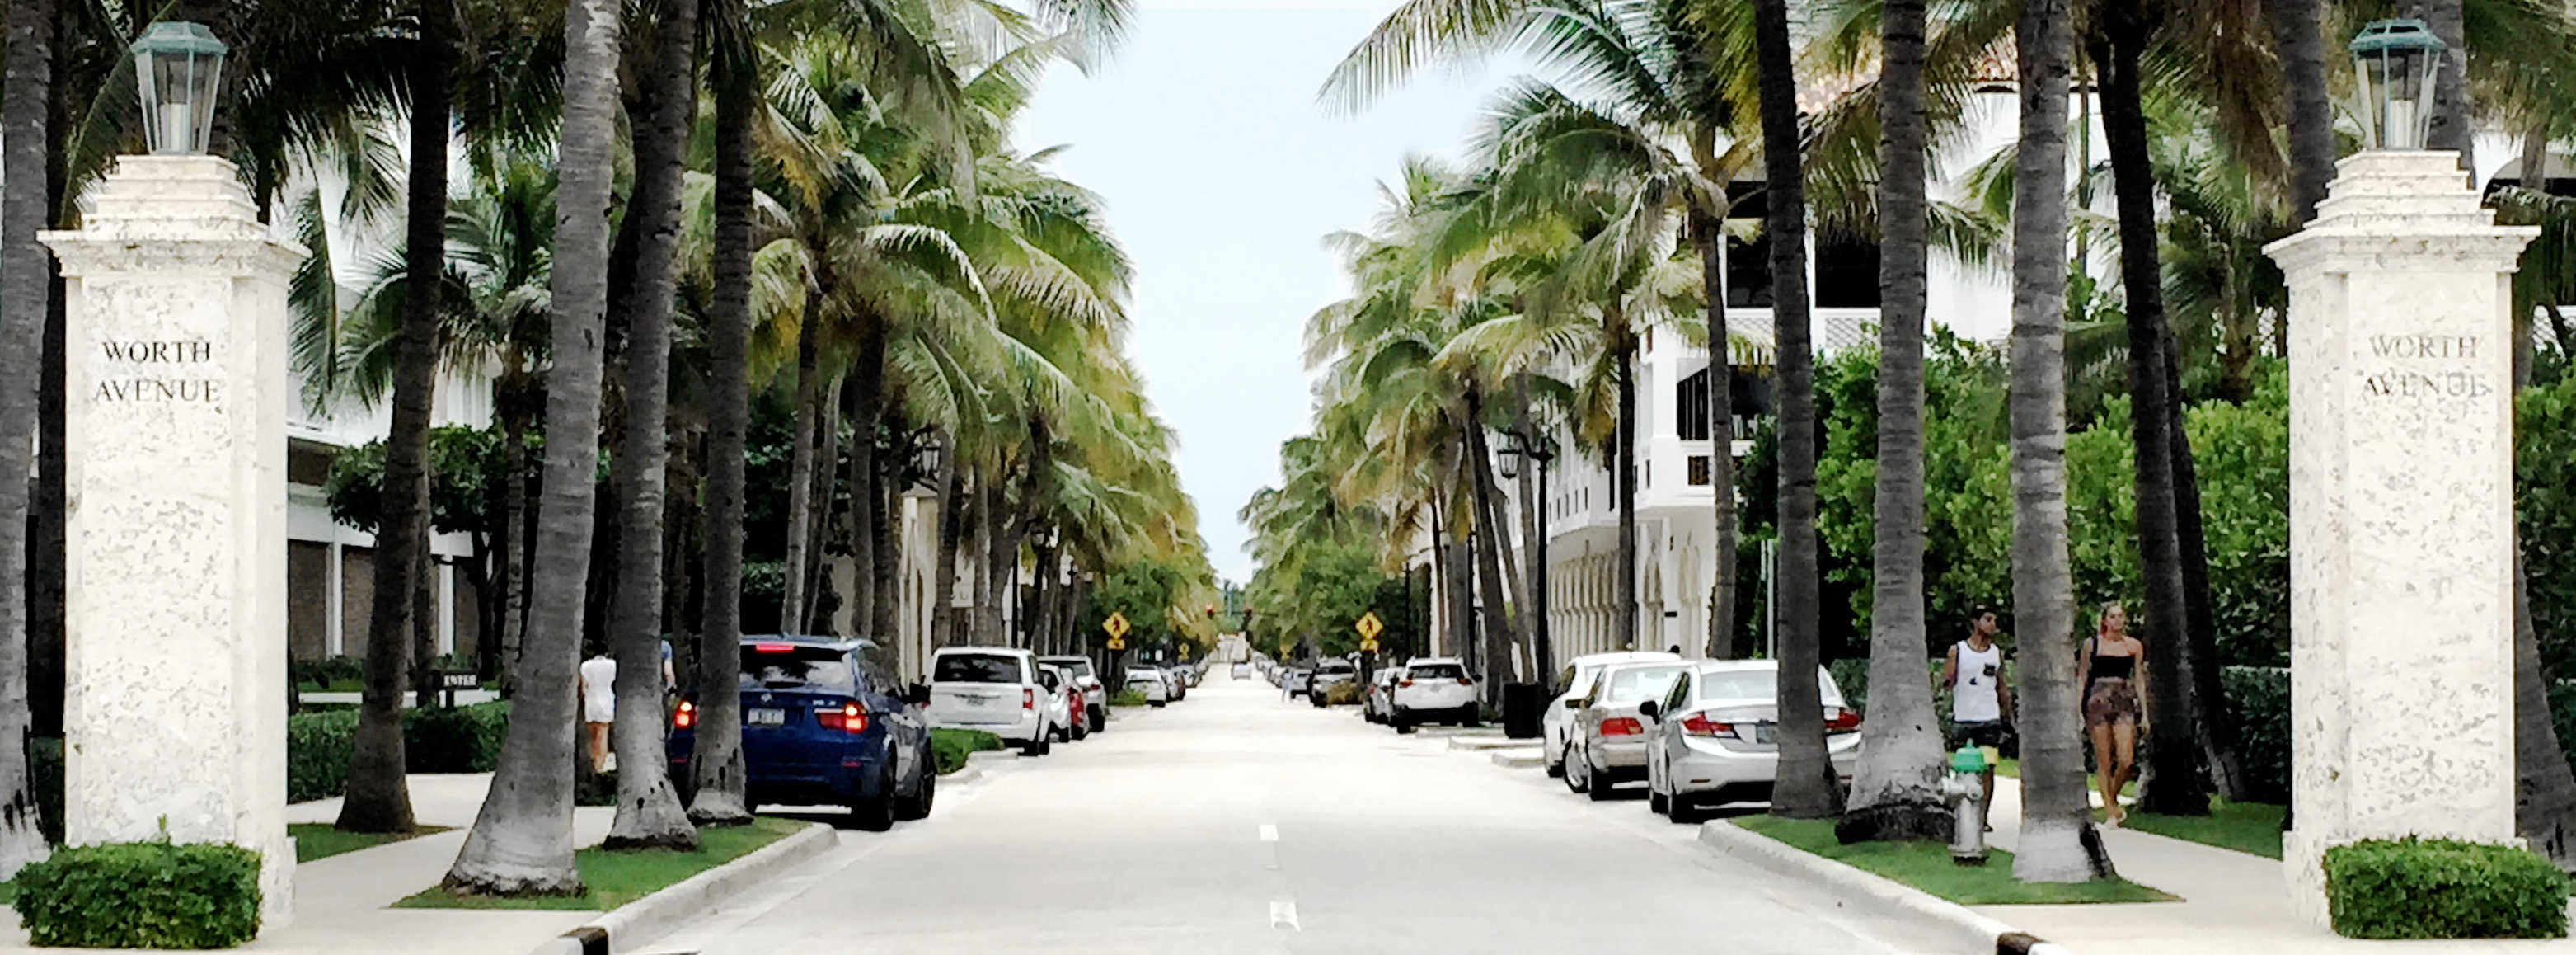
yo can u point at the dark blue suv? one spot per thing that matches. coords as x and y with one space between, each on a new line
821 725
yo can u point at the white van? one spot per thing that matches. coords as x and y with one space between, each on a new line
994 689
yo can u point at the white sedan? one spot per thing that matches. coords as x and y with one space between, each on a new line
1712 737
1150 682
1573 685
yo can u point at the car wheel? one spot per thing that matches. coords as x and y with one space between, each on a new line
1601 789
923 794
876 813
1556 766
1574 780
1680 809
1099 719
1157 704
1655 801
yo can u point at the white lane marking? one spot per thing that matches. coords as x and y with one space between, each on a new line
1283 914
1269 833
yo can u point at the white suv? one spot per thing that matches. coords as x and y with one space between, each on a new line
994 689
1434 689
1149 681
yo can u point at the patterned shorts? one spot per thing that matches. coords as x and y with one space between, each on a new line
2111 700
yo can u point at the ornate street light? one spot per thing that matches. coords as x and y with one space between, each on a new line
2396 62
179 68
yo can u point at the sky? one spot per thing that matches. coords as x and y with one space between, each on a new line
1222 174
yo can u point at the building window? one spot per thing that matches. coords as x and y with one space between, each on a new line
1846 271
308 464
1748 263
1699 470
1691 396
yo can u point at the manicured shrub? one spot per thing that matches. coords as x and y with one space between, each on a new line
2440 888
142 895
464 739
1127 697
2259 698
952 746
1343 694
317 754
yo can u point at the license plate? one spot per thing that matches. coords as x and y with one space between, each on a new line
762 717
977 700
1765 733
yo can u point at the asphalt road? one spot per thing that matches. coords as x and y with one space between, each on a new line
1236 822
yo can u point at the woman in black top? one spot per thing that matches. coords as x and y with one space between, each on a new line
2114 686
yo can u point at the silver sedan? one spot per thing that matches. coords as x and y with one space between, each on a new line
1607 745
1711 737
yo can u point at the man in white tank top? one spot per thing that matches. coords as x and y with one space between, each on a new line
1980 697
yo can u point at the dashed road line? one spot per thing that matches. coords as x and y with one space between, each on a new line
1269 833
1283 914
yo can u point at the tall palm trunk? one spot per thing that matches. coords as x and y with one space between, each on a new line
818 526
2449 127
800 465
1708 238
715 760
861 528
423 619
1807 787
25 298
2174 783
649 814
514 522
521 842
378 800
1624 456
1896 793
885 499
2544 805
2300 41
1489 547
2213 723
2058 843
990 502
943 574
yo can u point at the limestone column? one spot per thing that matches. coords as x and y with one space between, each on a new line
177 393
2401 508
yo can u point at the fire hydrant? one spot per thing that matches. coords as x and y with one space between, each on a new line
1966 791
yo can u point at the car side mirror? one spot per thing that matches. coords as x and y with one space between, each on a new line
1651 710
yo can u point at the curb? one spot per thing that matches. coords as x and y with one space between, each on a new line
961 777
1970 931
1512 760
631 925
1488 742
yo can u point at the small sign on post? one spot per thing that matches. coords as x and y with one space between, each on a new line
450 681
1117 627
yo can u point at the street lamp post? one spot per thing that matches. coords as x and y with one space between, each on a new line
2395 62
1517 446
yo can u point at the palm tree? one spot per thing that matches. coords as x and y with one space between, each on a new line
2300 42
521 842
1807 787
715 759
1896 791
649 814
2058 843
26 282
379 797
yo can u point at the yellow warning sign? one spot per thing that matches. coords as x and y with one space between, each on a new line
1116 625
1369 626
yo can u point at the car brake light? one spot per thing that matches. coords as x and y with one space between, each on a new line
773 647
1466 681
1028 698
1404 683
849 717
685 717
1698 724
1839 720
1622 726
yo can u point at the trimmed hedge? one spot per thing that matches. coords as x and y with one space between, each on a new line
317 754
142 895
466 739
2259 697
2440 888
952 746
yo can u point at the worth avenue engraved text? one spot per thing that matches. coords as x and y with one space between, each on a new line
159 372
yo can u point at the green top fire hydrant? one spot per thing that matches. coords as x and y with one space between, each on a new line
1966 791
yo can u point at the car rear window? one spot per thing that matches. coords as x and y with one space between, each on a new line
1336 668
1757 685
1640 683
1435 671
815 669
976 668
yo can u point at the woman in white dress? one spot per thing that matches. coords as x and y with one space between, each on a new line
598 704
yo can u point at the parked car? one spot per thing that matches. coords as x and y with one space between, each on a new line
1609 734
1180 685
1063 713
1095 697
1299 678
1241 671
1329 674
1379 705
1710 738
994 689
1150 682
822 726
1571 685
1434 690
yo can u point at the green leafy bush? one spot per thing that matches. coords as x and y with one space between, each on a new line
2260 699
327 671
1344 694
953 746
465 739
1127 697
2440 888
142 895
317 754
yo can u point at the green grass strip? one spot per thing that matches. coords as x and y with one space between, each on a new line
1927 866
2249 827
318 840
616 878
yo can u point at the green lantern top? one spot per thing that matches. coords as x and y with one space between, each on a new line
178 38
2395 36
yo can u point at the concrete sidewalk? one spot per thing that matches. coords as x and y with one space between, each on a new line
340 902
2233 902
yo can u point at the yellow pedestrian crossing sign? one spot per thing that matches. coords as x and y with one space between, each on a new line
1116 625
1369 627
1368 645
1117 643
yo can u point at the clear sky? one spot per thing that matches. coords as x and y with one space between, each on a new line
1223 173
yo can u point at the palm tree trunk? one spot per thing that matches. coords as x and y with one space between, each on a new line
2058 843
514 522
1709 239
862 399
2449 128
885 498
2214 724
1896 792
943 574
800 465
818 529
1625 455
649 814
378 800
1807 787
521 842
715 760
2544 805
2300 41
2174 784
423 620
25 299
1489 548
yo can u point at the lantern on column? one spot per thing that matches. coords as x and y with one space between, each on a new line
180 68
2396 62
